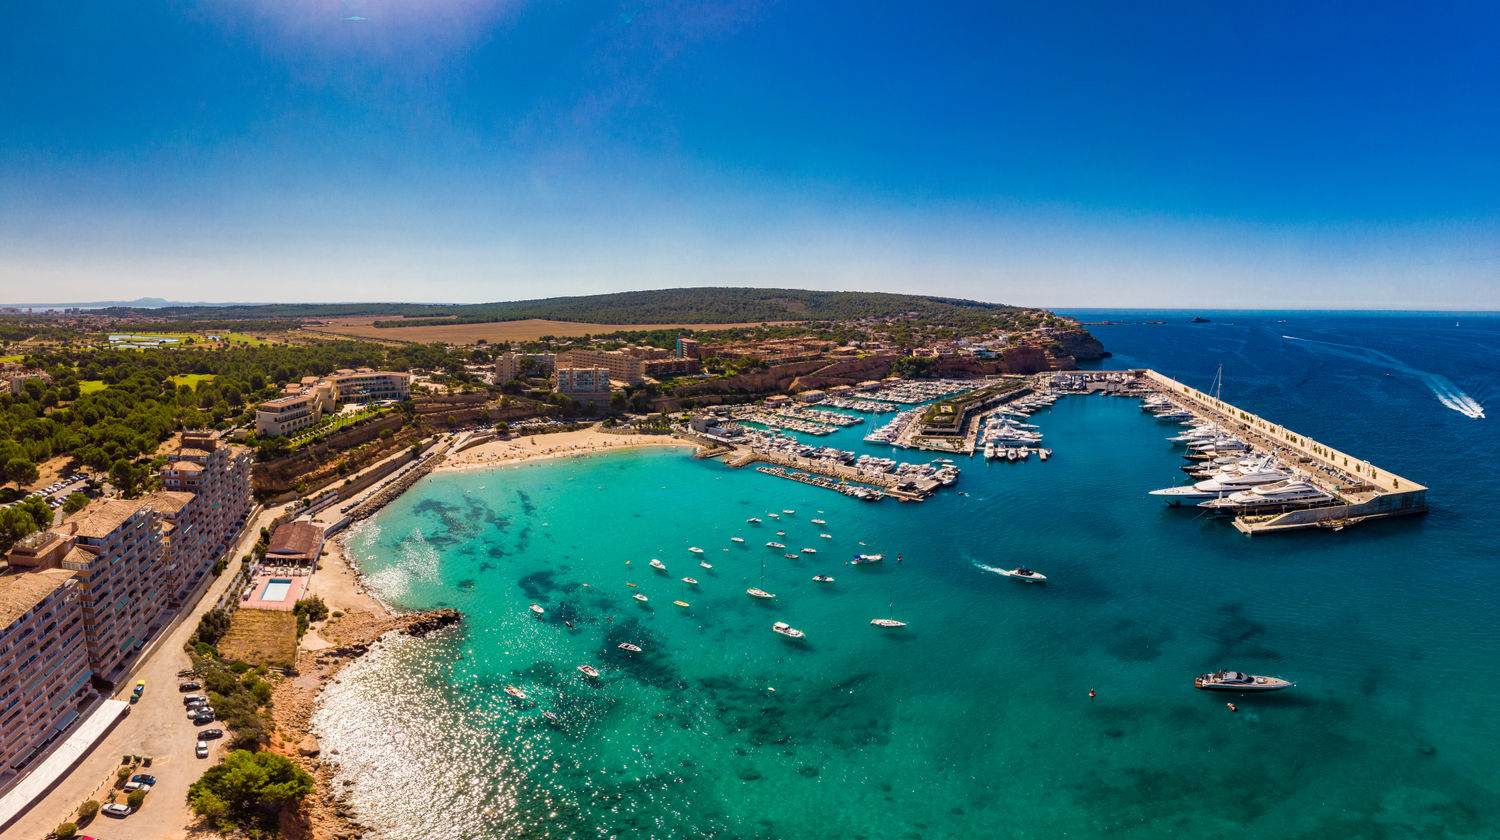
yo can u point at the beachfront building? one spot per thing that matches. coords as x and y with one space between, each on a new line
366 385
287 415
116 558
585 385
295 544
204 503
621 366
510 365
44 667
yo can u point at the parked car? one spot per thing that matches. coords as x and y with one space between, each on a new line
140 686
194 699
204 717
211 733
189 686
134 786
144 778
202 750
116 809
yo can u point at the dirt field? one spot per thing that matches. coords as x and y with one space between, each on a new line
261 637
528 330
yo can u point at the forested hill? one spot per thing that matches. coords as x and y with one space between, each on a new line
703 305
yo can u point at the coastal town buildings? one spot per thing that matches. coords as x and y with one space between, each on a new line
44 667
621 366
304 404
510 365
204 501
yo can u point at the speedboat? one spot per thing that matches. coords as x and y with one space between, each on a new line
774 545
826 536
515 692
695 549
780 533
809 551
1025 574
589 671
817 522
788 512
537 608
693 581
552 716
657 564
1236 681
788 630
639 597
754 520
823 578
887 622
758 593
706 565
737 539
629 648
791 556
860 559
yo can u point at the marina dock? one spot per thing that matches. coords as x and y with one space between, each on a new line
1362 491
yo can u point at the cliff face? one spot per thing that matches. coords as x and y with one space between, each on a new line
1081 345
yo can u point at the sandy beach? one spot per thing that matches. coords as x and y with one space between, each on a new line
557 445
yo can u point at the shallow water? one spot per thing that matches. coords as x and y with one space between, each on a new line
976 719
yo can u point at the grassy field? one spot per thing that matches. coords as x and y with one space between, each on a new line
192 379
528 330
89 386
10 360
247 340
261 637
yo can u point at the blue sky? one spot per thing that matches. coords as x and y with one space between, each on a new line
1056 154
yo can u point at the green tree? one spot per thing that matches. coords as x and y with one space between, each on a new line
122 474
249 787
21 471
75 502
136 798
66 831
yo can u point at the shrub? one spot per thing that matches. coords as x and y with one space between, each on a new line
249 788
66 831
123 773
212 626
88 810
136 798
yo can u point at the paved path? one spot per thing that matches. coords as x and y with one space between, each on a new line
156 726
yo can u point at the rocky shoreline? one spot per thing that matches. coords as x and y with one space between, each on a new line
325 815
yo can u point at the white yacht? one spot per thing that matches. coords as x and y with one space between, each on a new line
1236 681
817 522
1022 573
695 549
775 545
754 520
1290 493
629 648
658 565
788 630
639 597
887 622
758 593
737 539
861 559
1222 484
823 578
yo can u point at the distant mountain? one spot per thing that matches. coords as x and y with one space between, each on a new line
138 303
702 305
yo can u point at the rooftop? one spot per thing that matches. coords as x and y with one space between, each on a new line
21 591
185 466
102 517
169 502
299 537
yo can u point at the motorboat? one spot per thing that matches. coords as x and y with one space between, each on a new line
780 533
817 522
737 539
787 512
887 622
515 692
695 549
809 551
658 565
861 559
629 648
774 515
706 565
754 520
792 556
552 716
639 597
823 578
788 630
1221 484
1024 574
693 581
537 608
682 603
589 671
1044 454
758 593
776 545
1236 681
825 536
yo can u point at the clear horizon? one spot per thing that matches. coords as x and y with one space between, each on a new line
1086 155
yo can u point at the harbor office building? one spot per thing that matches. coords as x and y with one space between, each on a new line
306 403
80 600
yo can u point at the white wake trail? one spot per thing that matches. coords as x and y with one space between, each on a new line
1449 394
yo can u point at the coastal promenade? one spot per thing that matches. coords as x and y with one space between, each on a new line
1364 491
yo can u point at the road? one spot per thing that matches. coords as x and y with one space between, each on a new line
156 726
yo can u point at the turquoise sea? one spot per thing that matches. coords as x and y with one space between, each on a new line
976 720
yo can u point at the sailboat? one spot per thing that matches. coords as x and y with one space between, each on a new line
888 622
760 592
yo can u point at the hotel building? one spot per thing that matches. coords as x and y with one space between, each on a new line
621 366
305 403
44 670
587 385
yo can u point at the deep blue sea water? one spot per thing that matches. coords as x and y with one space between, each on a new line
976 720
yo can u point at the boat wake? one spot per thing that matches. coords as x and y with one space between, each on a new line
1447 393
991 569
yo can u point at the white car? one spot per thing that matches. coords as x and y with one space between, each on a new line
134 786
202 750
116 809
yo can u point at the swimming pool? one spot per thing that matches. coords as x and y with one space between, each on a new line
276 590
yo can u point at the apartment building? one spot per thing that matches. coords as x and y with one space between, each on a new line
588 385
204 501
510 365
116 559
621 366
287 415
366 385
44 668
